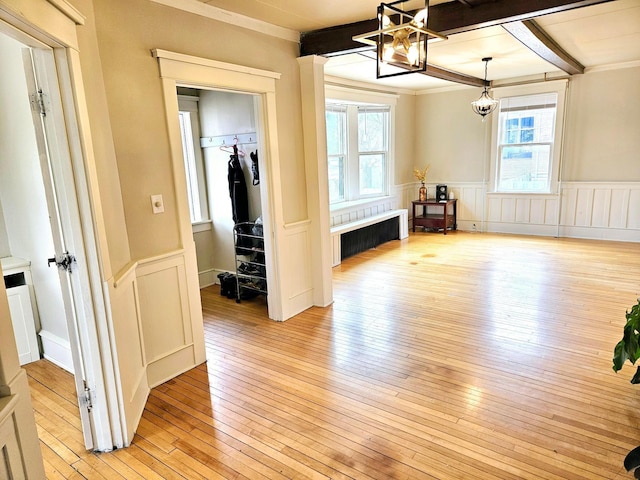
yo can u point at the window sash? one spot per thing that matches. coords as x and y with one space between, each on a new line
364 169
525 157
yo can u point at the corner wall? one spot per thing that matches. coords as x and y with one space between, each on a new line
600 184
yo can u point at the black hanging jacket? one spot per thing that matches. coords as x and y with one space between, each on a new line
238 190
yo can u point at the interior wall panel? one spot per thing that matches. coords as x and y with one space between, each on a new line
130 357
619 208
584 207
298 287
523 210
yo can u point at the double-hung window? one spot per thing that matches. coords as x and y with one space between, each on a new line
357 151
527 143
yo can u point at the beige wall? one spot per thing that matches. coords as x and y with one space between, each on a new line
603 127
451 137
405 140
103 148
137 113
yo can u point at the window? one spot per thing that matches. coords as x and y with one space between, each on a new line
527 147
193 163
357 150
336 151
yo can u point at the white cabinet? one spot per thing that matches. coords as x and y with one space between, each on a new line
17 277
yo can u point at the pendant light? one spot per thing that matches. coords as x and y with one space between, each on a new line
484 105
400 40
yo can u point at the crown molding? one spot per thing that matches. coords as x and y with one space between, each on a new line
241 21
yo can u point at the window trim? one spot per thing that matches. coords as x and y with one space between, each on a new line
559 87
335 94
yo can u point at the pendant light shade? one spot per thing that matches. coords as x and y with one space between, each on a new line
486 104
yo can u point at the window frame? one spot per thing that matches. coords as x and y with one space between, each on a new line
195 174
559 87
335 95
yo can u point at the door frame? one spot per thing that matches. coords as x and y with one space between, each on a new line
184 70
42 25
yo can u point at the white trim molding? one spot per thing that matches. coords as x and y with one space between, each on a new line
232 18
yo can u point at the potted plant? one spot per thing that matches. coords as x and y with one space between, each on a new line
629 349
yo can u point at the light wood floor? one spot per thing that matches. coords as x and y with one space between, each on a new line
466 356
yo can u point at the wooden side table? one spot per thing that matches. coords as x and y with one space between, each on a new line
445 217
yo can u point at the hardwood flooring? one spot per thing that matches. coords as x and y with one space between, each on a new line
466 356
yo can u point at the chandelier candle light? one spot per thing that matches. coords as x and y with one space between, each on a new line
401 40
486 103
421 175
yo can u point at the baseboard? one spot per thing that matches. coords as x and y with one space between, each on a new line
522 229
206 278
594 233
57 350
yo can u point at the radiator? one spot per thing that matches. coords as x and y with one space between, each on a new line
368 237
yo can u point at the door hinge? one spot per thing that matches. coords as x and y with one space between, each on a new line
85 398
66 261
37 101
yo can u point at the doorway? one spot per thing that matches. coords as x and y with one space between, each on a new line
42 233
222 170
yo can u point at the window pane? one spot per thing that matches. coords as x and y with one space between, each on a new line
336 131
372 130
190 167
525 168
527 125
371 174
336 179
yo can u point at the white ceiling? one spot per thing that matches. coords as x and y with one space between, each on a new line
604 35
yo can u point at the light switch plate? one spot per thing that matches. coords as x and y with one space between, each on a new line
157 204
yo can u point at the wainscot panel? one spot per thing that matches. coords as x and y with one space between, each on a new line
165 316
130 360
297 286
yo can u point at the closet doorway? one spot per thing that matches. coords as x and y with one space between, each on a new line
178 70
222 159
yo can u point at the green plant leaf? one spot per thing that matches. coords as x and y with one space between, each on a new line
619 356
629 347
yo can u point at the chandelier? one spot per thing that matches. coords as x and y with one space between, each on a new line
486 103
400 41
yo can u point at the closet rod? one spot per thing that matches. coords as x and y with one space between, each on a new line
229 140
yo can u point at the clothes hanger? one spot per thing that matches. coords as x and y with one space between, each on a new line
236 145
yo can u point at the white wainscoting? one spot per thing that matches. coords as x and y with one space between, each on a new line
358 210
126 327
165 317
598 210
591 210
522 214
297 285
12 458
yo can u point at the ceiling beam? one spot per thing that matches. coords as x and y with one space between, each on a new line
439 72
539 42
447 18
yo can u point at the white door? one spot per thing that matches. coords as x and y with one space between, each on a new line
69 256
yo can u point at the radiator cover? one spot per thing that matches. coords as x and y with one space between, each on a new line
368 237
